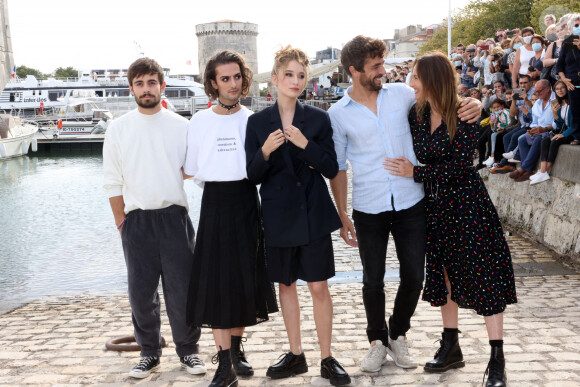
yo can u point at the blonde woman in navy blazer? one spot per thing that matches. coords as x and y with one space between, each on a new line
289 151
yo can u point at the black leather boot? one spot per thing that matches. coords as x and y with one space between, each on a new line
225 376
241 365
290 365
495 370
448 355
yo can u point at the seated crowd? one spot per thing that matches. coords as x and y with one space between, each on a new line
529 86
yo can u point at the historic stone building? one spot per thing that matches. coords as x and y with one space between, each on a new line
6 58
228 35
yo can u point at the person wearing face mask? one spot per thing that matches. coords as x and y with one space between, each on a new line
535 64
568 68
517 42
553 52
504 68
523 56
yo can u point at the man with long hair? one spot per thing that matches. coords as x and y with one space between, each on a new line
228 289
143 154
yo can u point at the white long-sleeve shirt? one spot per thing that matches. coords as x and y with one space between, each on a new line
142 160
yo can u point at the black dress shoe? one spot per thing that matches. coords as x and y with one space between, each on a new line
496 369
290 365
241 365
332 370
448 356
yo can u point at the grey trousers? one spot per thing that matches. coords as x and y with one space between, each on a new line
159 244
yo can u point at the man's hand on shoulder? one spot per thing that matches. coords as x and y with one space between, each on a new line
470 110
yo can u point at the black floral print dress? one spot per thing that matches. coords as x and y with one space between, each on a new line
464 233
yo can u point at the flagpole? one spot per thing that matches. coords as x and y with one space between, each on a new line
449 30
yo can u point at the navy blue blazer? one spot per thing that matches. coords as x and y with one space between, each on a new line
296 205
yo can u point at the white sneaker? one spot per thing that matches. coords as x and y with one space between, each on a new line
541 177
399 351
514 161
508 155
489 162
375 357
535 175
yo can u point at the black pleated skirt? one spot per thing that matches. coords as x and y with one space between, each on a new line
229 286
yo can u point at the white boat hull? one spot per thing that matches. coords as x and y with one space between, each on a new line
19 145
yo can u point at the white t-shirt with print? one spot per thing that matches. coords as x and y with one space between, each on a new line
215 146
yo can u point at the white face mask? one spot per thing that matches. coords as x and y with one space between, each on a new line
527 39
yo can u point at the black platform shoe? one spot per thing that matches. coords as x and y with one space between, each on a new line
225 376
332 370
448 355
290 365
241 365
495 371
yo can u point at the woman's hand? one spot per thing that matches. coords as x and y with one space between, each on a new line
295 136
568 82
273 142
399 166
557 136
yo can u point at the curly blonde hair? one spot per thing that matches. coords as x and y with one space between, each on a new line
287 54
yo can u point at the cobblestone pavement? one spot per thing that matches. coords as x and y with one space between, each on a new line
61 341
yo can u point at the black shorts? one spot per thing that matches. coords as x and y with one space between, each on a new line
311 263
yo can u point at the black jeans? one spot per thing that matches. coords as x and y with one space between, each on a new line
409 232
549 148
159 244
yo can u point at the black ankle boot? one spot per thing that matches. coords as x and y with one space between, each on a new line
495 370
225 376
241 365
448 355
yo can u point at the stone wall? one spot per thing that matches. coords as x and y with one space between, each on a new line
548 212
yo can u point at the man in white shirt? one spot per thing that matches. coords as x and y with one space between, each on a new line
143 156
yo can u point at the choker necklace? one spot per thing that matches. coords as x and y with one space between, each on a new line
229 107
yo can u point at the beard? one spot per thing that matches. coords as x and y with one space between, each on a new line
154 101
371 84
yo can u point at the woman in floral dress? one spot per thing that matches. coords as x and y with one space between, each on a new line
468 260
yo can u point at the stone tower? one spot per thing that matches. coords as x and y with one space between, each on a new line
6 58
228 35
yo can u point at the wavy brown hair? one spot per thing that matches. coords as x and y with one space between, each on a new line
356 51
439 85
223 58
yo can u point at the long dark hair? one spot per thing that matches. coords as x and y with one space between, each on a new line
222 58
439 84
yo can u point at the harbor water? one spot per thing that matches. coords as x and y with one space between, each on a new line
57 233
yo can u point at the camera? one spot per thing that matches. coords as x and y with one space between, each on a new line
497 56
509 33
531 68
471 50
484 47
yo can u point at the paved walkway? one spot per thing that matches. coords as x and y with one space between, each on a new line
61 341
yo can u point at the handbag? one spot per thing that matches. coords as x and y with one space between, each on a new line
547 71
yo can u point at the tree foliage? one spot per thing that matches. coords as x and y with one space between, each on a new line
481 18
23 71
557 8
69 72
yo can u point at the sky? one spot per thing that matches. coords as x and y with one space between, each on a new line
47 34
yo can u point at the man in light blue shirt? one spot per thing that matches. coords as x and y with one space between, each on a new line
529 144
369 124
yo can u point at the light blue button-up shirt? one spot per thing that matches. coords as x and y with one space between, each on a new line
365 139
